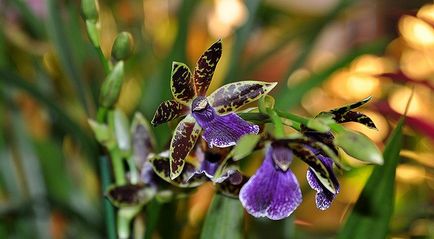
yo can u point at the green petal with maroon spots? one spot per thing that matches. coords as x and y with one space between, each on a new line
187 179
354 116
183 140
352 106
181 83
205 68
319 168
231 97
167 111
345 114
130 194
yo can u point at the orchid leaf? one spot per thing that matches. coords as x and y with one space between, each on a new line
233 96
130 195
186 179
181 83
205 68
224 219
371 215
168 110
183 140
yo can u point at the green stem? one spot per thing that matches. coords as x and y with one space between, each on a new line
123 226
279 132
292 117
104 61
109 212
101 114
118 167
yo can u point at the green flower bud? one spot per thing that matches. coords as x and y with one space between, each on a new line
93 32
122 46
111 87
101 131
121 129
90 9
358 146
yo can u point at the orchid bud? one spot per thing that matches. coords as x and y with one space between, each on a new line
101 131
121 129
89 8
358 146
112 85
122 46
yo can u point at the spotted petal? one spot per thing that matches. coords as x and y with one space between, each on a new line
354 116
226 130
130 195
231 185
205 68
271 192
167 111
181 83
187 178
323 196
345 114
183 140
320 169
231 97
352 106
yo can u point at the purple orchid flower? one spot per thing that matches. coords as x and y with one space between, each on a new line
274 191
213 114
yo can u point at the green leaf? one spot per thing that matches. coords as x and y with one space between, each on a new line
371 215
224 219
245 146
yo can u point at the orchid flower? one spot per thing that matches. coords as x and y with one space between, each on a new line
212 114
274 191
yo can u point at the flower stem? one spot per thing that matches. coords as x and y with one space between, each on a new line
292 117
279 132
118 167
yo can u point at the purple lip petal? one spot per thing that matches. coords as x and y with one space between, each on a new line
167 111
181 83
183 140
323 197
271 192
231 97
224 131
205 67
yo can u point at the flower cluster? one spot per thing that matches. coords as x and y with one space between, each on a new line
226 138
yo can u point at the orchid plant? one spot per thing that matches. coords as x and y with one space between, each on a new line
228 136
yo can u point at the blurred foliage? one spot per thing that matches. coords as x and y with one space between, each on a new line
323 53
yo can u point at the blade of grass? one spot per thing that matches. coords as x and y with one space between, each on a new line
34 23
224 219
371 215
32 174
55 27
15 81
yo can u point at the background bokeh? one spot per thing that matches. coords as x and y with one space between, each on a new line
323 53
